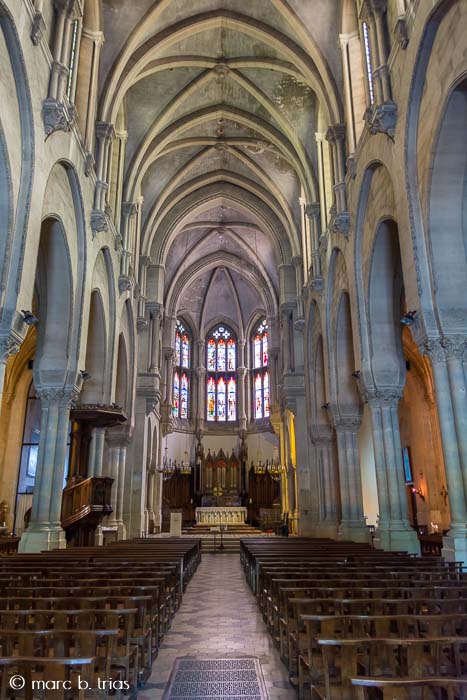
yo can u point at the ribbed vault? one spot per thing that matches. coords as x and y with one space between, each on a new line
220 104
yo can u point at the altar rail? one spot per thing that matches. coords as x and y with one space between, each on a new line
221 515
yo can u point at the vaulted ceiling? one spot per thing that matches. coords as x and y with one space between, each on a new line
221 100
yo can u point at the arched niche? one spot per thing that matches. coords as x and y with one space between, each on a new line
121 386
348 398
54 286
385 289
448 213
93 390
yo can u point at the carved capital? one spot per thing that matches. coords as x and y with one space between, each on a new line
454 346
124 284
299 325
8 346
336 133
347 423
312 210
381 397
383 119
56 117
105 131
65 397
129 209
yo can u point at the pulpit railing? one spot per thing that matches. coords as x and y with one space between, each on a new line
88 500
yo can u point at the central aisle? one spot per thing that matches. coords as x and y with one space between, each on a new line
219 618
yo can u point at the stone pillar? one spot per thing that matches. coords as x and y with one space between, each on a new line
395 531
45 530
312 211
379 8
352 525
127 223
336 137
446 360
325 183
96 452
121 527
324 441
86 93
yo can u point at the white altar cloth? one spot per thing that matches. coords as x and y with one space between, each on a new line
219 515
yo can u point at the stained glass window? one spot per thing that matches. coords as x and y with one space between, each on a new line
221 384
181 376
260 356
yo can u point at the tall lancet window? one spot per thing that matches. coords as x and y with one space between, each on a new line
221 381
181 377
261 381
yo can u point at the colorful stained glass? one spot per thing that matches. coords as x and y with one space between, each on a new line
185 351
221 355
184 397
257 351
232 400
265 349
266 396
258 396
231 355
211 356
211 399
176 394
178 342
221 399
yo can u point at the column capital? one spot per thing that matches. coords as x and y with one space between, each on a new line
64 396
382 396
129 209
105 131
9 345
336 133
347 423
312 210
444 348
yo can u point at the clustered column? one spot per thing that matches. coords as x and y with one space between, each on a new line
312 211
394 527
105 134
117 458
324 441
446 355
45 531
352 525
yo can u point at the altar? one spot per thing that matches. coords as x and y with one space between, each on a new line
221 515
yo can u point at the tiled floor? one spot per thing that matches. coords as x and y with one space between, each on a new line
218 618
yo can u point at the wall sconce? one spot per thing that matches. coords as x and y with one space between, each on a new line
29 318
418 492
408 318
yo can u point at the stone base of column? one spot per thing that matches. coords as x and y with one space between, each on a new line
455 547
398 538
121 531
38 540
354 532
326 528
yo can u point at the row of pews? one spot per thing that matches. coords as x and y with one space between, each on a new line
89 618
354 623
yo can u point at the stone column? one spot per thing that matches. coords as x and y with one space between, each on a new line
121 527
96 452
325 184
379 8
86 93
324 440
336 137
446 360
394 528
352 525
45 531
312 211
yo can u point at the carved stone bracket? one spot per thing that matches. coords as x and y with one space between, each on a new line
445 348
317 284
299 325
88 163
377 397
124 284
56 117
341 223
37 28
64 396
383 119
99 222
400 32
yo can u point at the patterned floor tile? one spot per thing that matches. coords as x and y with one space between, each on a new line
219 618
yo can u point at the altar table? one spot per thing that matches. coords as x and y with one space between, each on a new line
217 515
